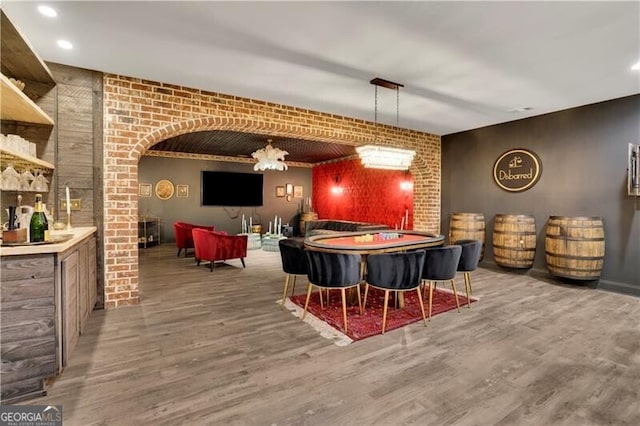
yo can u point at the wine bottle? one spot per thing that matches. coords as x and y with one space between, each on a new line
38 228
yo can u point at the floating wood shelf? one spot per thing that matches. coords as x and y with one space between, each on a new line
16 106
22 162
19 60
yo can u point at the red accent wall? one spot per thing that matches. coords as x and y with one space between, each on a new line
369 195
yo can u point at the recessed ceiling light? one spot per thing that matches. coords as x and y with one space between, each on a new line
47 11
522 109
65 44
636 66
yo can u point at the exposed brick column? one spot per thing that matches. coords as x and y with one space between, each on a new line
141 113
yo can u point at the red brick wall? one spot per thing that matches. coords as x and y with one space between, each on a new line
140 113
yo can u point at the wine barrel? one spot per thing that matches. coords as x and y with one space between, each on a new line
256 229
467 226
304 218
574 247
514 240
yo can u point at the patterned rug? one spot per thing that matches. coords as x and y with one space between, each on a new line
370 323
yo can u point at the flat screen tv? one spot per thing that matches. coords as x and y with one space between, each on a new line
231 189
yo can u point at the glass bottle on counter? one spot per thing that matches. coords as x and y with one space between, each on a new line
38 228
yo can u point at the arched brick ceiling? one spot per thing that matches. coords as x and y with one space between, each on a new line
241 144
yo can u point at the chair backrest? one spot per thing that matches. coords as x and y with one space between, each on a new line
396 271
182 233
471 250
333 269
294 260
214 245
201 243
441 263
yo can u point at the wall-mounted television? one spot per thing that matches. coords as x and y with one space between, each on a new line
231 189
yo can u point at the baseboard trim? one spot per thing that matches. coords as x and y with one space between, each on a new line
606 285
617 287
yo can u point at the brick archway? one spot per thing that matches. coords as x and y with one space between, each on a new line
140 113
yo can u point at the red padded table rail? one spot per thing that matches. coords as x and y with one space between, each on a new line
346 242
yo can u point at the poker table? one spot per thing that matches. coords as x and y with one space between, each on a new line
366 243
383 242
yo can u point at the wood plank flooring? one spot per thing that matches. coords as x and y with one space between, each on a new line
214 348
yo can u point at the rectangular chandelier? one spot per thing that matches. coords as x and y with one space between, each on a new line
385 157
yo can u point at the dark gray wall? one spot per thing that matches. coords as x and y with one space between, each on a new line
182 171
584 159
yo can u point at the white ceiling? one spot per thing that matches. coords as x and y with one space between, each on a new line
464 64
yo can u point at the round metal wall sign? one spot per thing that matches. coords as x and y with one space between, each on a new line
517 170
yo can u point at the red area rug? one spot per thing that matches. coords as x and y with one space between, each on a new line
370 323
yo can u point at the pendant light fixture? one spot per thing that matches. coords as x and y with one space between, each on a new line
270 158
385 157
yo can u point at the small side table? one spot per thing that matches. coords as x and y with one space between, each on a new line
254 241
148 231
271 242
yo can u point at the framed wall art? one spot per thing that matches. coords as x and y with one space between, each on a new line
144 190
164 189
280 191
297 191
182 191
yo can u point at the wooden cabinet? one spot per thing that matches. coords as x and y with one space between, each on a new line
70 320
79 292
93 274
87 288
18 61
27 332
45 301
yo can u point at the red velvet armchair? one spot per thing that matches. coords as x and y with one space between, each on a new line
184 238
211 246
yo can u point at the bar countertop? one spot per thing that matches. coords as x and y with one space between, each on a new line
67 239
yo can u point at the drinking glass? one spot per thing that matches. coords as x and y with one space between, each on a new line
40 183
10 179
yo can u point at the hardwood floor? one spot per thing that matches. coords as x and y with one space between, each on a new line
215 348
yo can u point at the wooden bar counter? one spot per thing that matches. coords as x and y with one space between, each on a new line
47 292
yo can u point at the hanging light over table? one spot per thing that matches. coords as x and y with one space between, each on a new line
380 156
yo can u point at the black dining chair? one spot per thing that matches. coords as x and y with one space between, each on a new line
441 264
333 271
469 259
397 272
294 263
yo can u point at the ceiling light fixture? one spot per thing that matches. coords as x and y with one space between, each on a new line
521 109
385 157
636 66
270 158
65 44
47 11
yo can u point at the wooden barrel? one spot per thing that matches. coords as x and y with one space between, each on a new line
467 226
574 247
304 218
256 229
514 240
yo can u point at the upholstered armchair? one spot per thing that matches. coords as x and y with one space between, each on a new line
184 238
212 246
